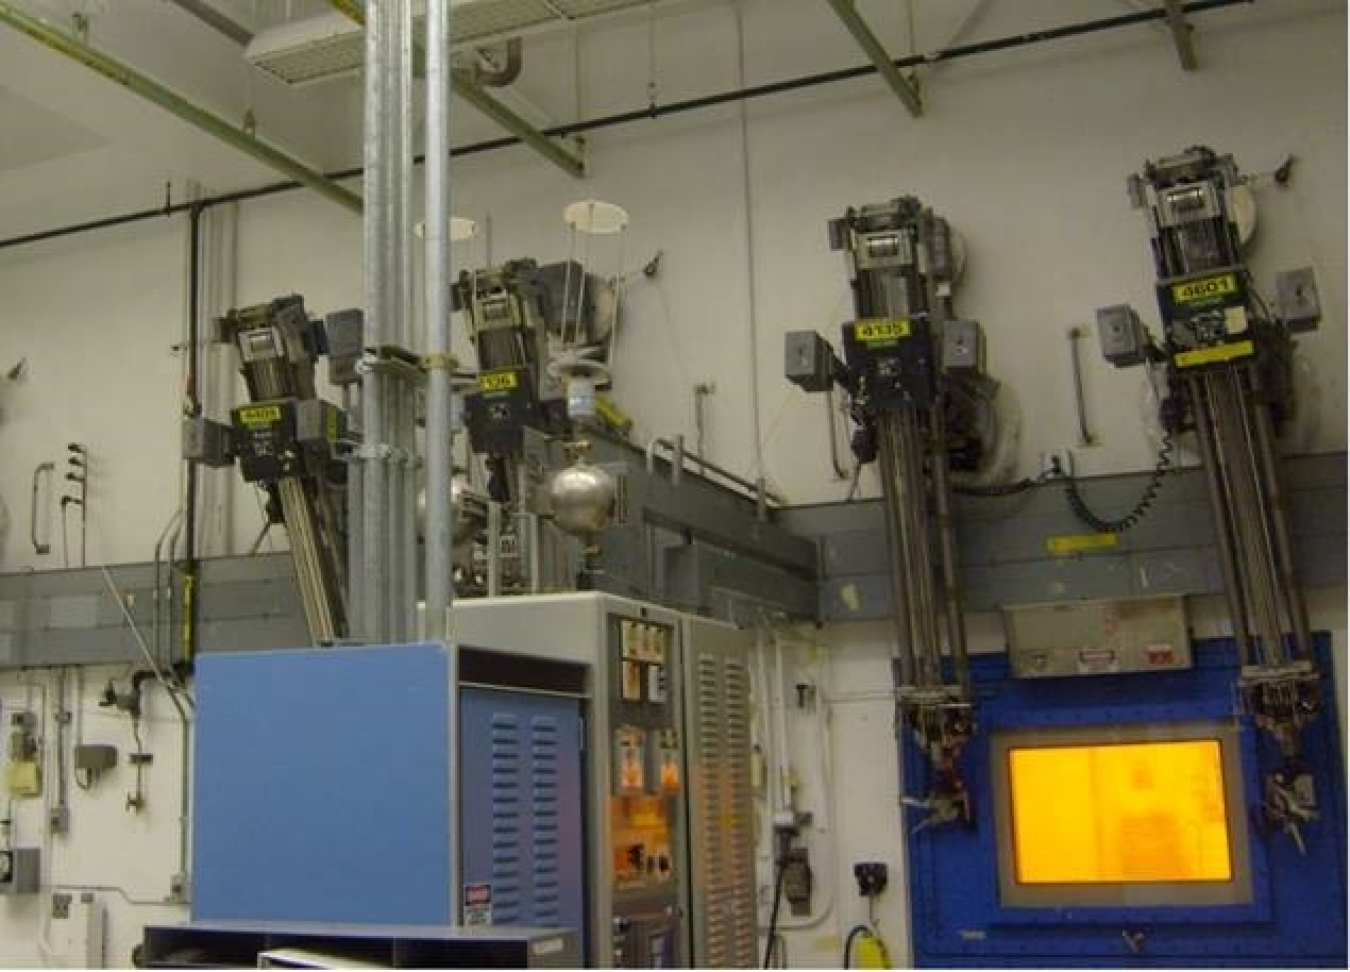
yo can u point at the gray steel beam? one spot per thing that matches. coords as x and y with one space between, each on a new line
570 162
1004 557
63 43
876 53
1181 34
216 20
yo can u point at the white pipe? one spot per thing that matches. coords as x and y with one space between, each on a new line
780 702
440 416
747 187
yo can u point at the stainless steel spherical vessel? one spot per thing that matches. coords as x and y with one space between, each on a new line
583 498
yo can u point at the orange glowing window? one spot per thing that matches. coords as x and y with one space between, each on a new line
1119 813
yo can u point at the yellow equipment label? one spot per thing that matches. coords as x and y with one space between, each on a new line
1078 542
1216 354
259 415
496 381
877 331
1210 288
332 425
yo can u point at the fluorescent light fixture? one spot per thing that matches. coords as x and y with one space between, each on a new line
331 45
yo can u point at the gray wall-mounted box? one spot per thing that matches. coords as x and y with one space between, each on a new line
19 871
1098 637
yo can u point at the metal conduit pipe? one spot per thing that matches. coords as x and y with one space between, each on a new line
192 407
439 363
380 65
960 52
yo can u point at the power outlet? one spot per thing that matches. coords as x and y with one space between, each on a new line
1057 462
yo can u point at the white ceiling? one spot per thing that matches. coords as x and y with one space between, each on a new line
77 146
36 134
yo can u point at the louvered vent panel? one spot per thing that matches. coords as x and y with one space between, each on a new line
739 825
544 832
726 850
506 818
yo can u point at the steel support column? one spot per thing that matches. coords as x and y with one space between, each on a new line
439 364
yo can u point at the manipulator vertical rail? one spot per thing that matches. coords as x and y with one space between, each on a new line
287 440
1227 356
910 369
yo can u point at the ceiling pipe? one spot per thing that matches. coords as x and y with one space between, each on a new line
1080 29
72 47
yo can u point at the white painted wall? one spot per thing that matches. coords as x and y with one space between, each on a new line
1026 152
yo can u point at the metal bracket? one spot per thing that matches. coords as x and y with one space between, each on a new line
1181 34
876 52
438 362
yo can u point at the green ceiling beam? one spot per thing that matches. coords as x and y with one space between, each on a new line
58 40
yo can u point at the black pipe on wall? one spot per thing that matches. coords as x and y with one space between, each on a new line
192 408
660 111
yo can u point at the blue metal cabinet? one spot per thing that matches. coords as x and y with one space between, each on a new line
521 808
322 785
1296 915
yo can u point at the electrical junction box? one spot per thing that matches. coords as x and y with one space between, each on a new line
808 361
1124 340
1106 637
95 757
1297 300
23 778
77 930
19 870
207 442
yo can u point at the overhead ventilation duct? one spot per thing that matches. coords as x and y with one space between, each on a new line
330 45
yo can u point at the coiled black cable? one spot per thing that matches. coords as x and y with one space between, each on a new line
769 939
1078 503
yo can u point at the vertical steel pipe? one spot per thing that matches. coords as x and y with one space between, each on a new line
380 263
440 416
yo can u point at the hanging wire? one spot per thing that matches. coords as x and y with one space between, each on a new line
651 55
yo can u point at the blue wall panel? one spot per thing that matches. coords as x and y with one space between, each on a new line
321 785
1298 913
521 801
